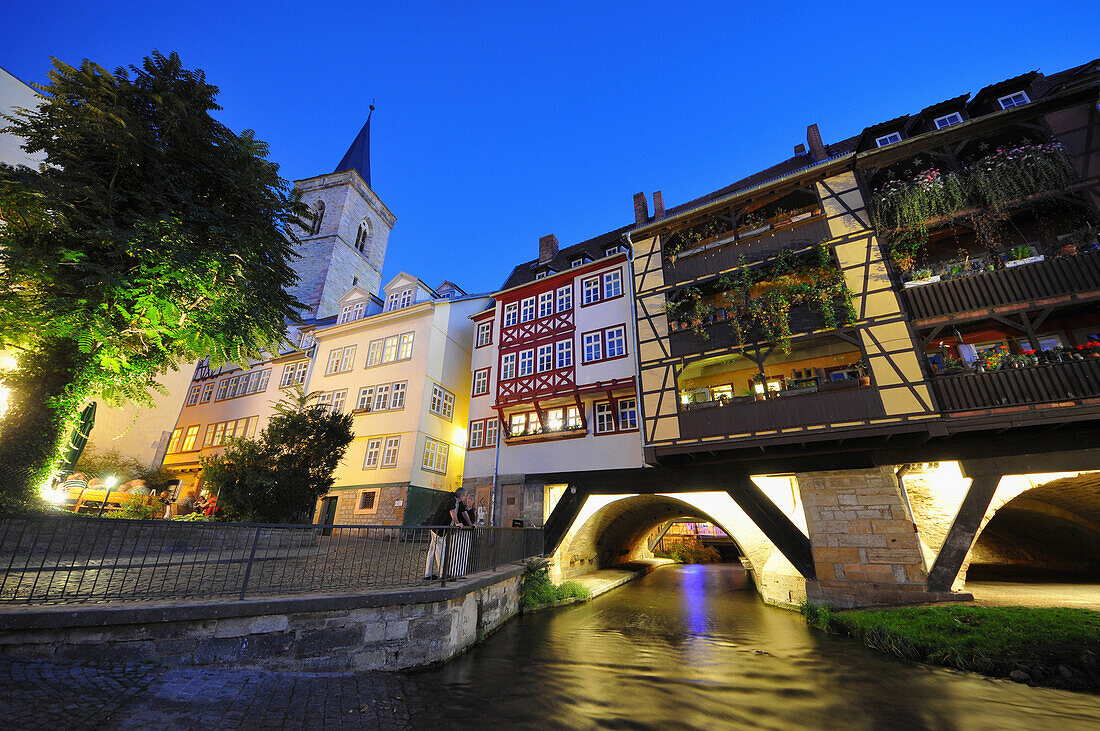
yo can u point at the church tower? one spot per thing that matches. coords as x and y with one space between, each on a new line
346 245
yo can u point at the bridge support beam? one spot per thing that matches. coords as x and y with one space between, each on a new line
964 529
775 524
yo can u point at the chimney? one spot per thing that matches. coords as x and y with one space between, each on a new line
641 208
548 248
813 137
658 205
800 149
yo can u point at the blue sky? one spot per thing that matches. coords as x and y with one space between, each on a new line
499 123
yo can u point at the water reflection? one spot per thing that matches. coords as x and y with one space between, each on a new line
693 647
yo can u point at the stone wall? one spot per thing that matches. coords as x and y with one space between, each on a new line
391 631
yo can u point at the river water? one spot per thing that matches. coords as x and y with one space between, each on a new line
694 647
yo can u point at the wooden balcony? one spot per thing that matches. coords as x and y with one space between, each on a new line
728 255
824 407
720 332
1048 383
1042 280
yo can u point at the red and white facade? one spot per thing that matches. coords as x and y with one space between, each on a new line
553 385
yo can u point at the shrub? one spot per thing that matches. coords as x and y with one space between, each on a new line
536 588
138 507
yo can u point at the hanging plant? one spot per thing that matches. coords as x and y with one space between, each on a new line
1010 175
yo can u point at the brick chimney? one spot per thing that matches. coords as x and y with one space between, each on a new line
548 248
800 149
641 208
658 205
813 138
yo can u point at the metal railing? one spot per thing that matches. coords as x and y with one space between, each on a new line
52 560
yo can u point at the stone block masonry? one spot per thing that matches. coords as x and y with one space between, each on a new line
384 631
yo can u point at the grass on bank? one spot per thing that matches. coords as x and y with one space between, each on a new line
990 640
537 589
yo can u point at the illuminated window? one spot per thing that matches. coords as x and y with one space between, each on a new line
435 456
442 403
174 442
555 419
207 393
389 349
340 360
572 417
189 438
294 373
519 423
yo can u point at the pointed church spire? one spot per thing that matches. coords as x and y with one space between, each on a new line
357 157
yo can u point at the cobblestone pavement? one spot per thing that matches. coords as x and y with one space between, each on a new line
57 694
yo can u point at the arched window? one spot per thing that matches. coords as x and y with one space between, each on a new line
362 238
318 216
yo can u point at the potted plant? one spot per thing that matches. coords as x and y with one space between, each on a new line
921 277
751 225
1022 254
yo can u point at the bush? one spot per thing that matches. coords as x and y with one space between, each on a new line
536 588
689 551
194 518
138 507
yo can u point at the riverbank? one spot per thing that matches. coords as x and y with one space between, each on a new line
1051 647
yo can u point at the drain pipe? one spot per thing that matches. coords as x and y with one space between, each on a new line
637 358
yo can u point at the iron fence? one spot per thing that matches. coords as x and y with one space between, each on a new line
49 559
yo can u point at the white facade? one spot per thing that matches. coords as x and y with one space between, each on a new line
573 412
15 94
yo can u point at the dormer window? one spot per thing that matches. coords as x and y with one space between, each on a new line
948 119
580 261
616 249
888 139
1016 99
542 273
399 300
352 312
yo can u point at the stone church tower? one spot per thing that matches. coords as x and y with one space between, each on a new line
346 245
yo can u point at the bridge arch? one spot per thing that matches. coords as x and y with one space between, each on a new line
612 529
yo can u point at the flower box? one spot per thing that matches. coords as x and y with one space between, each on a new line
755 231
1028 260
922 282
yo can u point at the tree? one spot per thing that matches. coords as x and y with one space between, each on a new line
153 235
278 477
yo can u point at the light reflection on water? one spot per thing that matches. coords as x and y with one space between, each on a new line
693 647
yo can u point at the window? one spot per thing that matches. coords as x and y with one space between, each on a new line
189 438
352 312
374 353
477 434
207 393
590 291
397 395
491 432
318 216
519 424
507 366
947 120
484 334
526 363
405 349
592 347
545 358
616 342
542 273
546 304
294 373
374 448
442 403
888 139
367 503
572 417
381 397
243 384
511 312
340 360
481 382
193 395
345 314
333 401
616 249
399 300
174 442
527 310
366 399
435 456
389 349
1013 100
218 434
580 261
565 353
362 238
389 454
628 413
555 419
605 420
565 298
612 284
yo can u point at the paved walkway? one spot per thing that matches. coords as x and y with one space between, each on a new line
1034 594
604 580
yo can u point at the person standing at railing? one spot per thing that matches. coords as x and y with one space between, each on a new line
445 515
460 550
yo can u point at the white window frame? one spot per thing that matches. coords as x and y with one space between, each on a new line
628 414
613 250
340 360
948 120
527 309
890 139
1010 100
604 414
491 432
511 314
398 391
507 366
374 353
590 291
526 363
565 298
442 403
564 350
572 417
555 419
405 346
365 401
477 434
189 438
544 358
382 397
207 392
593 344
616 335
546 304
435 456
579 261
374 452
484 334
193 395
389 348
390 452
481 382
612 284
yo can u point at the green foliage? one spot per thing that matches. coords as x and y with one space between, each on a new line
819 616
110 463
138 507
690 238
153 235
689 551
194 518
278 477
537 590
1009 175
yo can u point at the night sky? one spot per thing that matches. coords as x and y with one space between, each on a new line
499 123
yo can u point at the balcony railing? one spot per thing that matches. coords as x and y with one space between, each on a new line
727 256
824 407
1046 383
1027 283
721 334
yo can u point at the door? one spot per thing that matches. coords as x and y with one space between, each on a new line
328 514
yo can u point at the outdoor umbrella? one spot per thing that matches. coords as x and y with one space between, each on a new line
78 440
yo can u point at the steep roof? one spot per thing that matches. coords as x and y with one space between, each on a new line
357 157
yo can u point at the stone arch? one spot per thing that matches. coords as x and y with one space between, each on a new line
611 529
1039 527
